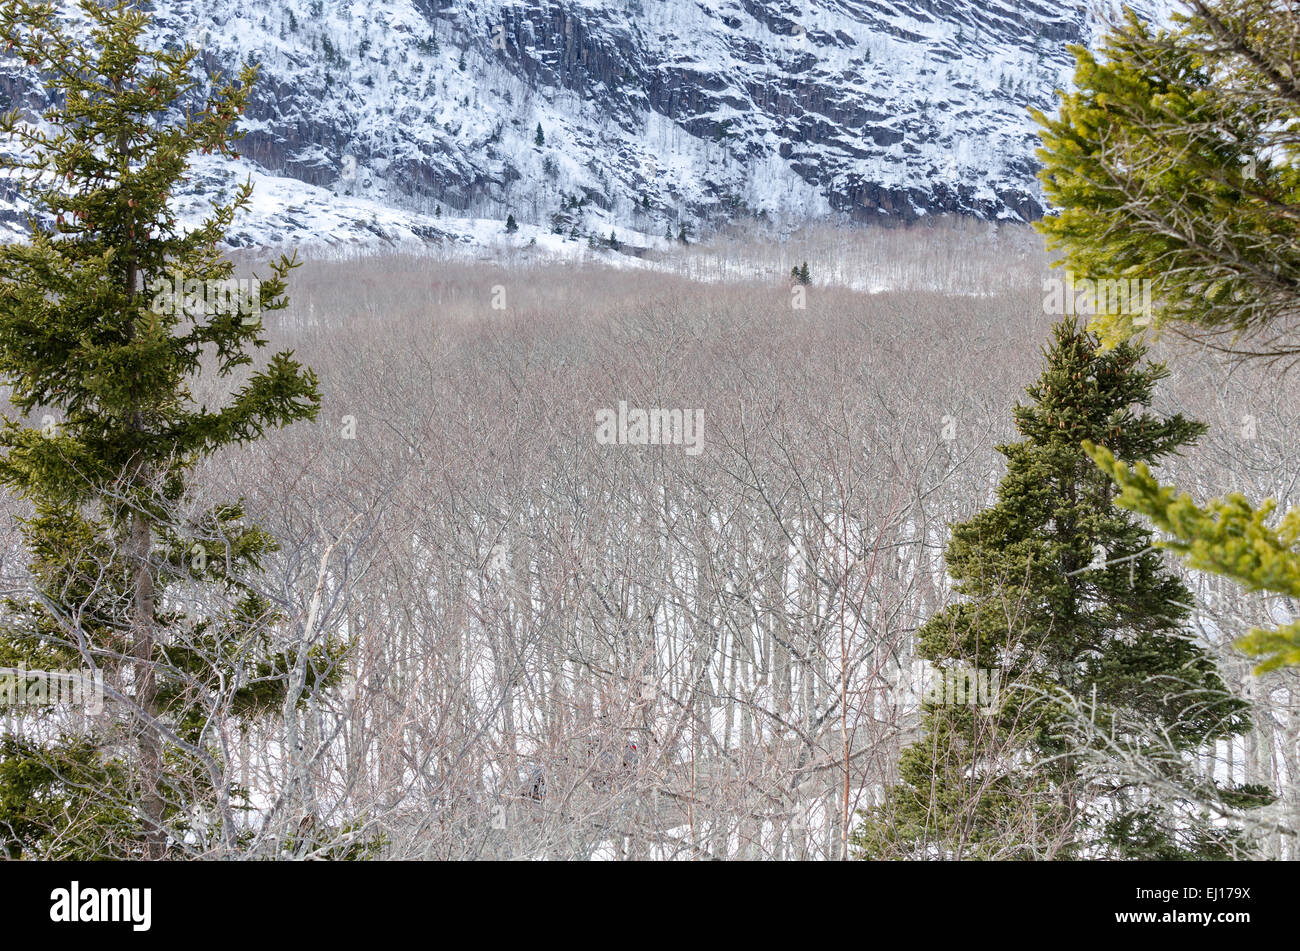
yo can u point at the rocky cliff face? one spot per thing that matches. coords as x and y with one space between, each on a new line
584 115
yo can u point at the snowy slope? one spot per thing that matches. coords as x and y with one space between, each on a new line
653 113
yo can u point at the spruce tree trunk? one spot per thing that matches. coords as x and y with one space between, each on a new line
146 690
146 686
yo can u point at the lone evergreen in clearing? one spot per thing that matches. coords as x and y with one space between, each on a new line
112 562
1066 600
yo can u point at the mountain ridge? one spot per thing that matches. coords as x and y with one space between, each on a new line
581 117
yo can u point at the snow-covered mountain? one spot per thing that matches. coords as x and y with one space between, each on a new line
397 117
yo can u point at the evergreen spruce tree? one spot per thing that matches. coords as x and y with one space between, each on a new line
511 225
540 138
91 338
1174 160
1068 607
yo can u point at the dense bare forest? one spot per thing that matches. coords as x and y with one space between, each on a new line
561 648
